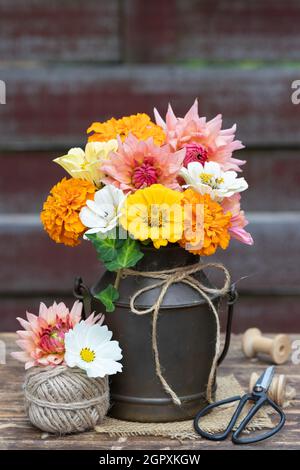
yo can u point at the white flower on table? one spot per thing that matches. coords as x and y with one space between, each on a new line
210 179
89 347
102 213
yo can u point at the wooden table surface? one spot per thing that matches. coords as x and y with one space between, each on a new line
17 433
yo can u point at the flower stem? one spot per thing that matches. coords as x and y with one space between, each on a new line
118 278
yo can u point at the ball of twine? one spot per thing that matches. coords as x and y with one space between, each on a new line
65 400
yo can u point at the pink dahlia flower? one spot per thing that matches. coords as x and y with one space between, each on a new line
238 219
138 164
192 128
43 337
195 153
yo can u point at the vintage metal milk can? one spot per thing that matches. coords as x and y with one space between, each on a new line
186 340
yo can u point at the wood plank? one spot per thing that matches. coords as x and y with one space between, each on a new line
270 265
266 170
13 307
271 313
274 180
177 30
17 433
25 180
32 263
53 105
59 30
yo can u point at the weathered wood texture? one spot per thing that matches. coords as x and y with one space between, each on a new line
53 105
59 30
222 30
67 63
17 433
276 313
266 171
43 266
156 31
267 278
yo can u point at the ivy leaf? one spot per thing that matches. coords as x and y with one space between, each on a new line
108 296
106 247
128 254
116 253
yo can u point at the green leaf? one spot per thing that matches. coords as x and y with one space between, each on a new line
108 296
115 253
106 247
128 254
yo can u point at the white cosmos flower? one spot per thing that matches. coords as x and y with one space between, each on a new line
210 179
102 213
89 347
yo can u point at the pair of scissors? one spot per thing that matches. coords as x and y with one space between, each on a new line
259 397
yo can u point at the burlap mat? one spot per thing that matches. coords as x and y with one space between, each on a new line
214 422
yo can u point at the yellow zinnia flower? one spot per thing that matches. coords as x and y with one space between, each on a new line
86 164
203 237
140 125
60 214
154 213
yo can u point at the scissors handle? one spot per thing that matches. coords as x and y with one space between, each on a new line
221 436
260 437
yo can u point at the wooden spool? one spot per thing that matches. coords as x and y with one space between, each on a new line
278 390
278 348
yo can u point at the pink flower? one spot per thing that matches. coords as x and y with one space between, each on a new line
238 219
42 339
195 153
192 128
138 164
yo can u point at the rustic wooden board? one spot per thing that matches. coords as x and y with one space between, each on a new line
35 264
156 31
26 179
59 30
276 313
266 170
17 433
274 180
180 30
51 106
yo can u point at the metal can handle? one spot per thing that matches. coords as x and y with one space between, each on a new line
83 293
232 298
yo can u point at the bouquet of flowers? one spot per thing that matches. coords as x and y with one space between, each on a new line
139 182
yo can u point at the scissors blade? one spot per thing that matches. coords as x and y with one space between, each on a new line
265 379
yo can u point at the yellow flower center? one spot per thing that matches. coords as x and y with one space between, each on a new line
220 180
84 165
156 217
87 355
206 178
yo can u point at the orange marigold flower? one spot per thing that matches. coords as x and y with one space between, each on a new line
204 236
140 125
60 214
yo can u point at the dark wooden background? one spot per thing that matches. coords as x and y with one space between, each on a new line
67 63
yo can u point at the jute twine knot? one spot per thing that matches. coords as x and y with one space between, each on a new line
166 279
65 400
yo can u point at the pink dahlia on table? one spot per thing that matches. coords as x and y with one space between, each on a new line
214 143
238 219
139 164
43 337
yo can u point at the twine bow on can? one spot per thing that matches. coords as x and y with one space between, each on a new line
167 278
